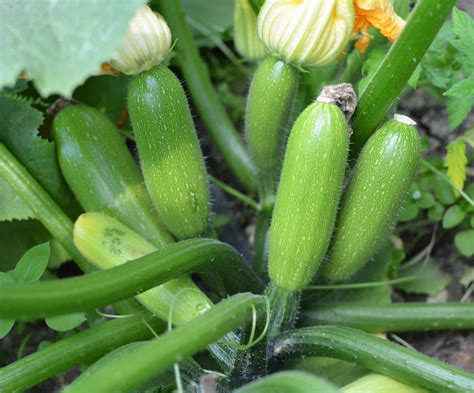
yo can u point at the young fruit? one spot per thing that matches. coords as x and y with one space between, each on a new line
101 171
106 243
269 103
170 156
308 195
382 176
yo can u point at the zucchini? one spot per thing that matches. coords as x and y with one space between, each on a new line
106 243
308 195
376 383
271 96
289 382
101 171
381 178
170 155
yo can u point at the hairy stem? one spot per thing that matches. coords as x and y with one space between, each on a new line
83 347
398 317
195 72
44 208
56 297
376 354
142 364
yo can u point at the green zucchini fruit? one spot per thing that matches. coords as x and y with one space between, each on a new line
289 382
106 243
382 176
101 171
271 96
170 155
308 195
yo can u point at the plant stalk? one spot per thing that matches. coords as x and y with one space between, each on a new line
376 354
195 72
44 208
65 296
397 67
145 362
398 317
83 347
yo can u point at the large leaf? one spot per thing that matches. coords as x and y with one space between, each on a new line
60 43
16 238
19 123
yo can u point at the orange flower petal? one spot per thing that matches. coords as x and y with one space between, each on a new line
377 13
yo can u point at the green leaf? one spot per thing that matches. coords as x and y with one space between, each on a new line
458 110
409 212
105 93
11 205
464 88
436 212
32 265
463 27
468 137
19 123
456 162
444 192
5 326
465 242
426 201
429 279
468 277
63 323
369 67
453 217
60 43
16 238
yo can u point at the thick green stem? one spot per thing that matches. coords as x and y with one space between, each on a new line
398 317
139 366
56 297
44 208
376 354
83 347
284 307
397 67
195 72
262 227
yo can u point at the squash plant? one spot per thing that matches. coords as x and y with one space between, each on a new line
326 172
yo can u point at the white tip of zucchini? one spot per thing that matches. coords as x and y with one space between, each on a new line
404 119
327 100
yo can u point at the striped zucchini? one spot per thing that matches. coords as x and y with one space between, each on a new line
308 195
383 174
170 155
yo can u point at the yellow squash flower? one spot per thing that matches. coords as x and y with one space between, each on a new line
306 32
377 13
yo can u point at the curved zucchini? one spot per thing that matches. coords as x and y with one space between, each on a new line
382 176
170 155
308 195
108 243
101 171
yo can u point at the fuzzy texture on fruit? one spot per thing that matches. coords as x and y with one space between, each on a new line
170 155
102 173
308 195
271 97
383 174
